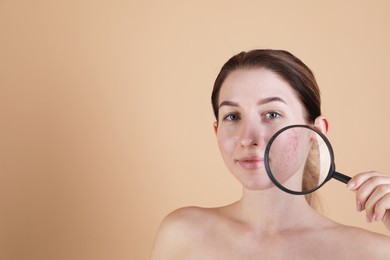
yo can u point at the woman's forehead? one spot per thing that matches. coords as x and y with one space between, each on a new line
254 84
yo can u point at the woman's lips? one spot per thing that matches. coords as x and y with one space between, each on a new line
251 162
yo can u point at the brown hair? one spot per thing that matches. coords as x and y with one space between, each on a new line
290 68
281 62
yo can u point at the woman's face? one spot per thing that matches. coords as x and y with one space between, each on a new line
253 105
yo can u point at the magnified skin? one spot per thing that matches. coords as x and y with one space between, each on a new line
299 159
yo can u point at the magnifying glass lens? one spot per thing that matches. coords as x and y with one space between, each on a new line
298 159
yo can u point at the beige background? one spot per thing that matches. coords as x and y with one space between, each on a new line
106 122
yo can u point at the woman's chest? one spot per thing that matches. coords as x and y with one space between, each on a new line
250 246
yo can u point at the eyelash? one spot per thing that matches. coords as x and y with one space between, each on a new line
226 118
266 115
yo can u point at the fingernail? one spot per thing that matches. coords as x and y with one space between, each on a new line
368 219
358 206
373 218
351 185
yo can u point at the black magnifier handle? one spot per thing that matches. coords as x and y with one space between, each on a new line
341 177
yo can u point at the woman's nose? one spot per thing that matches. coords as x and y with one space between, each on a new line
250 135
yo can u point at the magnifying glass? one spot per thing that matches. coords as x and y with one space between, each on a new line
299 160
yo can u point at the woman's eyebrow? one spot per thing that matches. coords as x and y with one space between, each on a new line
228 103
261 102
271 99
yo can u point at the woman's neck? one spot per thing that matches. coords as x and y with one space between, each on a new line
273 210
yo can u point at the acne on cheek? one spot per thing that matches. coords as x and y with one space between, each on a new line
293 144
288 148
227 141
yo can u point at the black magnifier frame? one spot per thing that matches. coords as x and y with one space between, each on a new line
331 174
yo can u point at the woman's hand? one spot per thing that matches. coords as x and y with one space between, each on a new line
372 195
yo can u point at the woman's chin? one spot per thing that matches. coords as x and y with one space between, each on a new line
258 186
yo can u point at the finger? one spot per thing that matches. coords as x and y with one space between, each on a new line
361 178
378 202
367 188
382 208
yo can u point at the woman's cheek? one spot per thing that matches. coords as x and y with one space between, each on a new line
227 145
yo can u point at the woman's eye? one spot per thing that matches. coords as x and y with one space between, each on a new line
232 117
272 115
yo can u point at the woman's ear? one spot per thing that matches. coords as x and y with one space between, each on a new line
321 124
215 127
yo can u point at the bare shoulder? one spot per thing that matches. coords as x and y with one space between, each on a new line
189 219
356 233
178 229
361 242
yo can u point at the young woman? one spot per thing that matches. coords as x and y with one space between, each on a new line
255 94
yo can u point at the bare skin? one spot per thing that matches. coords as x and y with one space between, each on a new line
267 223
229 233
